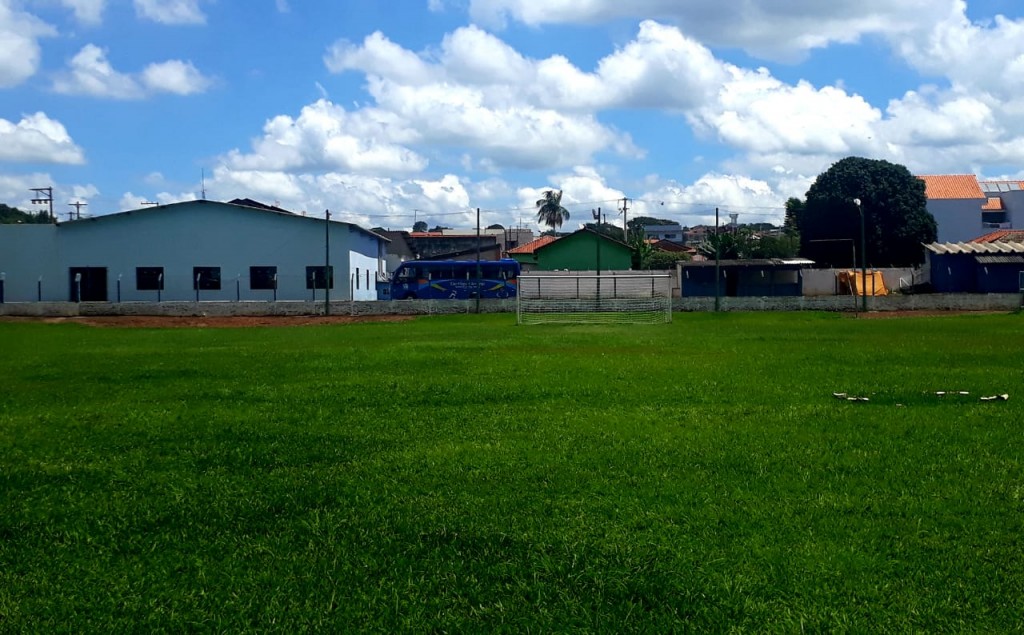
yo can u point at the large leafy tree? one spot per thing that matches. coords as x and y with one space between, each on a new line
896 220
420 226
550 211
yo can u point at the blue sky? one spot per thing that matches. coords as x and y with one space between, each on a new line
386 112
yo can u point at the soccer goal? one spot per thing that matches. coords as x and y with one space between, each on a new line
594 299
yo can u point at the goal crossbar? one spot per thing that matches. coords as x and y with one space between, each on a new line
594 299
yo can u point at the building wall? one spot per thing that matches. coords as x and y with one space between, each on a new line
578 252
26 265
959 220
185 235
665 232
923 302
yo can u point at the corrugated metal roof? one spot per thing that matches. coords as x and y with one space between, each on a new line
976 248
1002 259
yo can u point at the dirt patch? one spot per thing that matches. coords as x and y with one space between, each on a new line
219 321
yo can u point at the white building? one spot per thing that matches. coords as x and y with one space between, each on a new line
672 232
195 250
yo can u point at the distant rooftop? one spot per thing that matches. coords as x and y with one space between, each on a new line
952 186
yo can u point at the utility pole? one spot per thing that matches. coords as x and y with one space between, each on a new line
718 275
863 259
48 199
327 262
478 260
78 205
625 226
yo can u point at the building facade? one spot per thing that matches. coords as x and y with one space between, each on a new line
583 250
965 208
194 250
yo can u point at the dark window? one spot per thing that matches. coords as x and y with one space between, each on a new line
315 277
357 278
262 277
206 278
149 278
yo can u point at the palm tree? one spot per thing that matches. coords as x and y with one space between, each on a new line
550 211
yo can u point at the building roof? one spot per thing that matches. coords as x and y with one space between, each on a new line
782 263
533 245
976 248
1000 259
248 202
1001 236
262 209
994 204
952 186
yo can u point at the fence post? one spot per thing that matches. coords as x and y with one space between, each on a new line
119 288
199 277
238 287
3 279
39 289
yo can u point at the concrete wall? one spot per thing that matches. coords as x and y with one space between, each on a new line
923 302
818 282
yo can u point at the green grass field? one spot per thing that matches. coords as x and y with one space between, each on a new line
464 474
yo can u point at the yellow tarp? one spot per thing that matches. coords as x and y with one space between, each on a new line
854 283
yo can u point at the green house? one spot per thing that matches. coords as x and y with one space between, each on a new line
583 250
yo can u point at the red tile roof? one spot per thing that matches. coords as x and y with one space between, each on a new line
944 186
994 204
1002 236
533 246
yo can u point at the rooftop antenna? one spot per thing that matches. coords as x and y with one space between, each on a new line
202 177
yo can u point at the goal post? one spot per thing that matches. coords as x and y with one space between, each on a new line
632 298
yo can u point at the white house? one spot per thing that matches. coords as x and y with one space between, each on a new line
194 250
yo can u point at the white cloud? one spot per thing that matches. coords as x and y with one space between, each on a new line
38 139
19 44
325 135
90 73
378 56
758 113
87 11
174 76
755 200
170 11
15 190
766 28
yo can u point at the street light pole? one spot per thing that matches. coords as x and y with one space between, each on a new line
718 274
327 262
863 260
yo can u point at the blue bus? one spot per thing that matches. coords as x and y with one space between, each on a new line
454 279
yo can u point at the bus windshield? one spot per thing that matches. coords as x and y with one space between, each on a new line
454 279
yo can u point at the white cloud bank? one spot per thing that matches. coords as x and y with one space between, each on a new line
90 73
38 139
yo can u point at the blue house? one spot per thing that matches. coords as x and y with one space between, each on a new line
976 267
193 250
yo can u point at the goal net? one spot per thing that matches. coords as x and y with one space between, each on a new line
593 299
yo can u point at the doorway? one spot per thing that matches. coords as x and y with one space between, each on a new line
88 284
